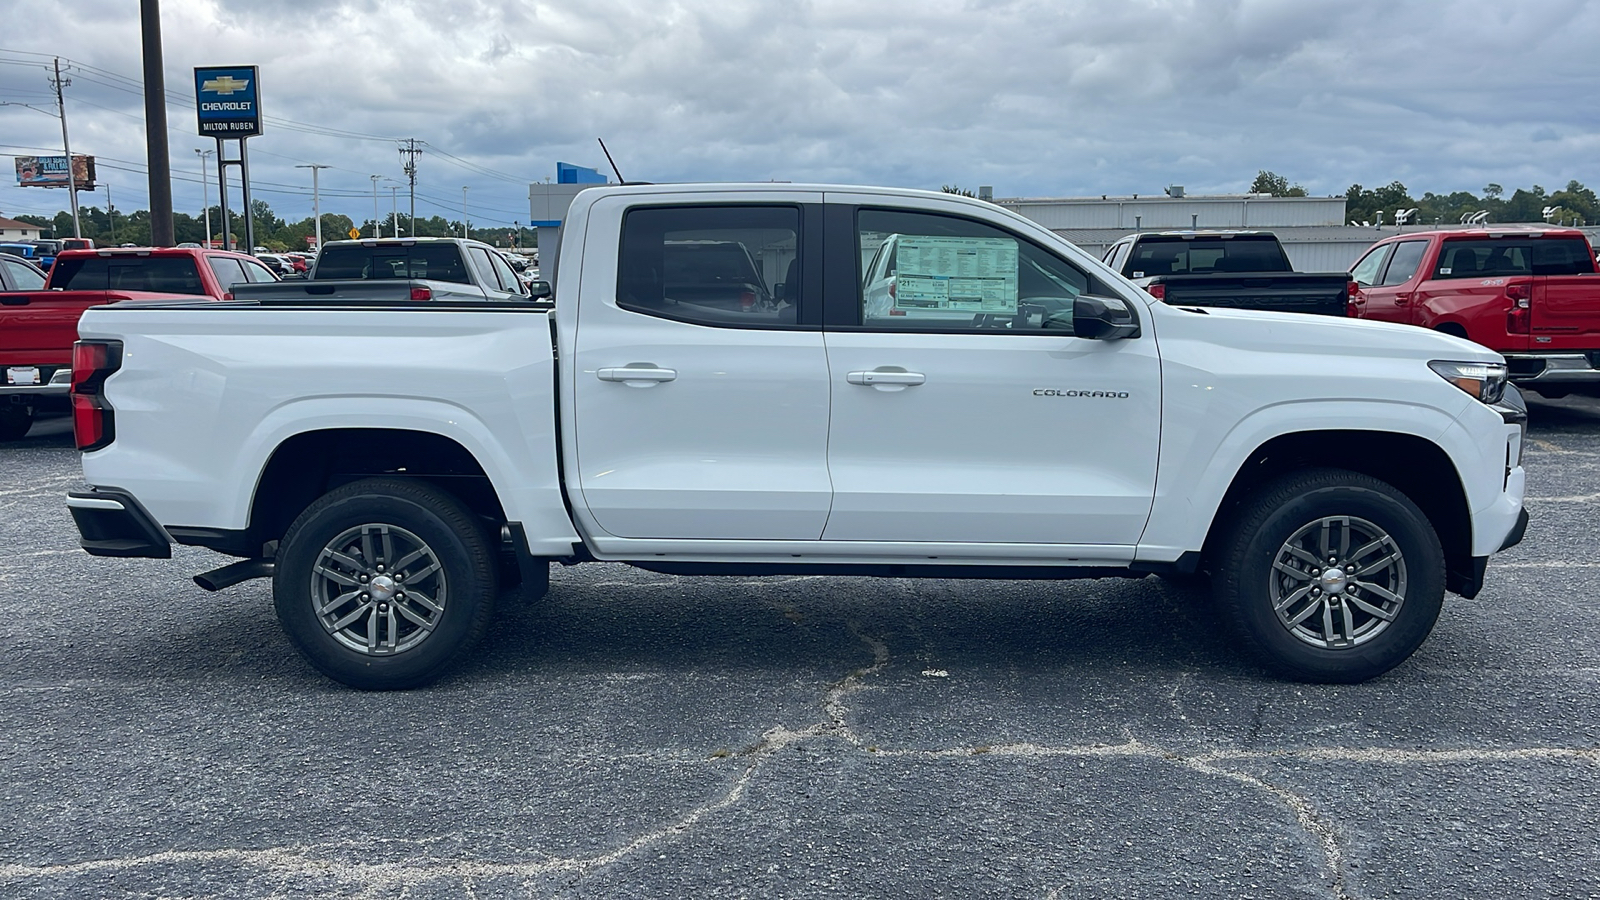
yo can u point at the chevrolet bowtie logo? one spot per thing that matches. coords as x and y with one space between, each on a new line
227 84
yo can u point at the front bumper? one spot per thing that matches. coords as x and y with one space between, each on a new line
112 523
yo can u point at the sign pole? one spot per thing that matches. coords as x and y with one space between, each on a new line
222 194
244 184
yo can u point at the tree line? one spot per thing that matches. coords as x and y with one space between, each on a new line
111 226
1573 205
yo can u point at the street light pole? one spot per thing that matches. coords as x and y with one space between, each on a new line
465 231
205 192
377 227
316 198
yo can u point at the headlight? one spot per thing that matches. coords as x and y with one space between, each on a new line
1484 381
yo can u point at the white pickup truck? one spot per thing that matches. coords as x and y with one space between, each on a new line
720 392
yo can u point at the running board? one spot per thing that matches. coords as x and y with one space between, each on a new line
230 575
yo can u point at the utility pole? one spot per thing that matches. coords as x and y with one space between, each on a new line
316 198
155 126
205 192
410 153
377 227
465 231
394 201
111 213
72 174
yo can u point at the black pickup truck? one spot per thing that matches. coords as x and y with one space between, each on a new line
1239 269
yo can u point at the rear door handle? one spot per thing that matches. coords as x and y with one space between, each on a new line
637 374
876 376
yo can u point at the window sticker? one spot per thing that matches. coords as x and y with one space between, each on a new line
968 274
1138 275
1444 270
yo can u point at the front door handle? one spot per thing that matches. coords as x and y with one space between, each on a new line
887 377
637 374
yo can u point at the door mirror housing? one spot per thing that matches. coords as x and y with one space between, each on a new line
539 290
1103 319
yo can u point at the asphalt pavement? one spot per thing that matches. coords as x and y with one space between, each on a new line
641 735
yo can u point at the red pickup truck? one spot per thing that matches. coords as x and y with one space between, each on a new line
1530 294
38 327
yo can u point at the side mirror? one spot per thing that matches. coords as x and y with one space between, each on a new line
1103 319
539 290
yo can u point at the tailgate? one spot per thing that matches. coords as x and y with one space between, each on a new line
40 326
1566 309
1286 292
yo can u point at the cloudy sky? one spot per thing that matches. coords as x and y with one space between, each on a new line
1045 98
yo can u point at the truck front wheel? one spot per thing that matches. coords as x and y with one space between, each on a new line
1330 576
384 584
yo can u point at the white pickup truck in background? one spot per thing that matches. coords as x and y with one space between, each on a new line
718 391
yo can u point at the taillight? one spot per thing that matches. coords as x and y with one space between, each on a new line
227 295
1520 319
1158 291
1351 289
93 420
421 293
747 300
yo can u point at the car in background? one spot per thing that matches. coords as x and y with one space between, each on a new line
300 261
39 319
280 265
1230 269
20 250
77 243
47 250
17 274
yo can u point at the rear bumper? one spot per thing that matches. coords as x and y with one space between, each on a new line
112 523
57 381
1556 367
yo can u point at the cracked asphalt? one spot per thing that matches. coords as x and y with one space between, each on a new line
640 735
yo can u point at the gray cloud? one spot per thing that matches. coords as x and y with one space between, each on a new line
1036 98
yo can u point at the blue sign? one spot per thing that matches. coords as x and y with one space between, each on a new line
227 101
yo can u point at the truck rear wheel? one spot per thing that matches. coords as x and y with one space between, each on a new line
15 420
384 584
1330 576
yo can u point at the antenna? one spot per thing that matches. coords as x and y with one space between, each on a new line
613 162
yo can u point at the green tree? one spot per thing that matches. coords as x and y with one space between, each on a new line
1493 191
957 189
1278 186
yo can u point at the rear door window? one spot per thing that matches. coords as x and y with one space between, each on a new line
713 265
1205 256
1407 257
227 270
508 278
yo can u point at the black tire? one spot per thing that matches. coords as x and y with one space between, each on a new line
15 420
428 622
1329 646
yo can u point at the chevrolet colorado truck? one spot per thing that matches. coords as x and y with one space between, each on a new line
39 323
1015 409
1235 269
1531 294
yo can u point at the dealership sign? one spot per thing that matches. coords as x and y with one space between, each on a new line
227 101
51 171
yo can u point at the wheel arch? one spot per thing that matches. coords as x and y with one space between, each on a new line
309 464
1413 465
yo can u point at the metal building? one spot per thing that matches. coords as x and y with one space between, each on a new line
1312 229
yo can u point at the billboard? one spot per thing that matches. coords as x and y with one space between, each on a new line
227 101
51 171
